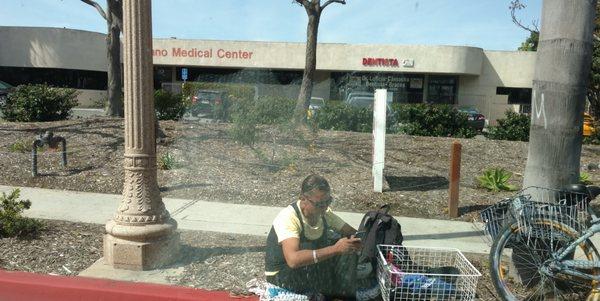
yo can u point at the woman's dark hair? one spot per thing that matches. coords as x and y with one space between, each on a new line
314 182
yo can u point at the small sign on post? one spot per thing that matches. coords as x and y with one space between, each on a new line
454 179
184 74
379 115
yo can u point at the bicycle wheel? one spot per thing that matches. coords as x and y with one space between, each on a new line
516 261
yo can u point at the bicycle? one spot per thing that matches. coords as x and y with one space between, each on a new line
541 245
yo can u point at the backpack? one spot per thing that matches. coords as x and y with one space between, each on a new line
381 228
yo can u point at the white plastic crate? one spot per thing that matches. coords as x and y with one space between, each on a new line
418 273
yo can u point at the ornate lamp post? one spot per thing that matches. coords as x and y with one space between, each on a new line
142 235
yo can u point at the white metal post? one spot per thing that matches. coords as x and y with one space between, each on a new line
379 115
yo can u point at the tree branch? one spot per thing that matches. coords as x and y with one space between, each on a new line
517 5
332 1
304 3
97 6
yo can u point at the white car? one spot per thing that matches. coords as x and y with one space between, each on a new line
353 95
364 100
315 104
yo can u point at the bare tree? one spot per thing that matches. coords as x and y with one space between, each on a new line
114 19
531 43
313 10
559 88
514 7
517 5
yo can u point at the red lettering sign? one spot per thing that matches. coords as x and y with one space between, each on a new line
380 62
204 53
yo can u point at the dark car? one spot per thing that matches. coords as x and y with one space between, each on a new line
476 119
213 102
5 88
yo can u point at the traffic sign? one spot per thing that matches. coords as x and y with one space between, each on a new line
184 73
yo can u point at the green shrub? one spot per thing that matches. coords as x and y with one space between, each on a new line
245 122
12 223
341 117
167 161
430 120
24 146
274 110
234 91
39 103
21 146
248 114
168 106
584 178
286 161
513 127
496 179
244 132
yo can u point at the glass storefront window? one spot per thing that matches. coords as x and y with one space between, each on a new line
64 78
407 88
516 95
442 89
245 76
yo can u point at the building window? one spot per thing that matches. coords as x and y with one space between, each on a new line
407 88
64 78
242 76
442 89
525 109
516 96
161 75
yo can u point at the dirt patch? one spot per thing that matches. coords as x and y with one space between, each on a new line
211 166
214 261
61 248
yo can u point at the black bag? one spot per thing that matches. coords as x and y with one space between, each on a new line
380 228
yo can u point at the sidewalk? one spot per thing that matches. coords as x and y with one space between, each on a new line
236 218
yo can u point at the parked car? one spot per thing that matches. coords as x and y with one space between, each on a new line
361 102
364 100
210 101
476 119
5 88
588 125
359 94
316 103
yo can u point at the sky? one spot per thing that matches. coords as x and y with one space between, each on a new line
480 23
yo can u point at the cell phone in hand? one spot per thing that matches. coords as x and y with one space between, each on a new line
360 234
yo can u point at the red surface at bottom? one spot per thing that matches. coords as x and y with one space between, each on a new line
21 286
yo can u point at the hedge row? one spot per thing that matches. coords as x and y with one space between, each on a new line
245 110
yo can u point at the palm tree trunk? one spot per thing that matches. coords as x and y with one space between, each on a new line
559 89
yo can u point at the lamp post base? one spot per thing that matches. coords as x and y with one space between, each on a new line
141 256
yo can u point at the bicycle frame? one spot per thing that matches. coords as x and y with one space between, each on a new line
568 267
